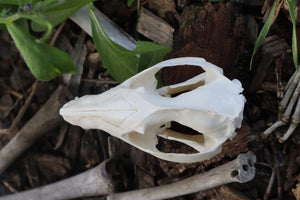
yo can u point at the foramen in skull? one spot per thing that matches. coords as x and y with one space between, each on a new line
137 112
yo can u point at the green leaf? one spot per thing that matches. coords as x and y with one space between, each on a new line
130 2
43 22
56 11
44 61
19 3
151 53
263 33
52 11
292 8
10 2
120 62
5 8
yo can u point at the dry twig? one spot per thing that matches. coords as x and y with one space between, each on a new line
24 108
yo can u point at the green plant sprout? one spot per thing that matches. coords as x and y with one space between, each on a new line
292 8
263 33
120 62
45 62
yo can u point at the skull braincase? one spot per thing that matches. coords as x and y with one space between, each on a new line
137 112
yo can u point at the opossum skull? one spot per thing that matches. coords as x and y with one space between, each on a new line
137 112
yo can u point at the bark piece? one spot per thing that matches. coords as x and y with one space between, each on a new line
89 149
155 28
144 179
272 47
228 192
218 35
162 7
52 167
296 190
72 144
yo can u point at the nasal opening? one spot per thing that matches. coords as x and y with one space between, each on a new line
175 80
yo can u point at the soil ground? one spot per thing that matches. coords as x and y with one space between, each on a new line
222 33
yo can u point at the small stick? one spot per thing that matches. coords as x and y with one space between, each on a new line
287 113
294 123
269 86
6 131
16 94
21 112
270 185
288 133
273 127
8 186
52 43
24 108
44 120
295 118
279 87
277 170
18 80
287 104
291 85
296 115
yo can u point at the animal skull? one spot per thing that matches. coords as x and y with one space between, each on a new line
136 112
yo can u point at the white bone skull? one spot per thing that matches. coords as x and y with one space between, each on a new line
136 112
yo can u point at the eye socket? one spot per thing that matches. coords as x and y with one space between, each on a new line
166 145
171 76
184 129
171 146
177 74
